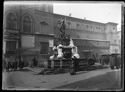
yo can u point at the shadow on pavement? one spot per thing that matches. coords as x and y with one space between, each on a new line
86 69
89 68
51 72
23 70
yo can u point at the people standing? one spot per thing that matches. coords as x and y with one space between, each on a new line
35 62
16 63
6 63
21 63
12 62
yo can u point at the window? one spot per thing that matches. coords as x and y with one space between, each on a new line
11 21
44 47
104 28
113 28
27 24
69 23
116 50
10 46
87 26
91 28
119 41
43 26
114 41
98 29
77 25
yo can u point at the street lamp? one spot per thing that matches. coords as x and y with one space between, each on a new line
19 34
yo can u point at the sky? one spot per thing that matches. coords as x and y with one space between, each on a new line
99 12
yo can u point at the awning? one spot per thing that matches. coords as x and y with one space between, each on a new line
91 43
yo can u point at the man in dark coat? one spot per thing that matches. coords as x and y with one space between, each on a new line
21 63
35 61
7 63
16 63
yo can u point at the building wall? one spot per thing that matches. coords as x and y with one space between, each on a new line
79 28
111 31
42 29
43 32
119 41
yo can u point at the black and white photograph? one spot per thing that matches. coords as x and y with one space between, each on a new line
54 45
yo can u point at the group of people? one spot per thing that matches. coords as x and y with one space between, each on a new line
12 63
34 62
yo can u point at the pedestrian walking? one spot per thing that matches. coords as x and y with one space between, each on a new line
21 63
6 63
35 62
12 63
16 63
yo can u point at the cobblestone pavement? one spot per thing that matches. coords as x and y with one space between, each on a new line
105 82
29 79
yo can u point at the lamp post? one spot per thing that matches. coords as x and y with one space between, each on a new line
19 34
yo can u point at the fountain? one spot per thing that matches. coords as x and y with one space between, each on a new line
66 45
59 54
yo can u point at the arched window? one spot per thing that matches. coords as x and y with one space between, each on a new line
11 22
87 26
91 28
77 26
27 24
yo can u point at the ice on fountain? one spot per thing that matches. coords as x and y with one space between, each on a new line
60 54
54 48
71 43
74 49
76 55
51 57
60 45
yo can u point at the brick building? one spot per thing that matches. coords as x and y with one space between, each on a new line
33 27
37 27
